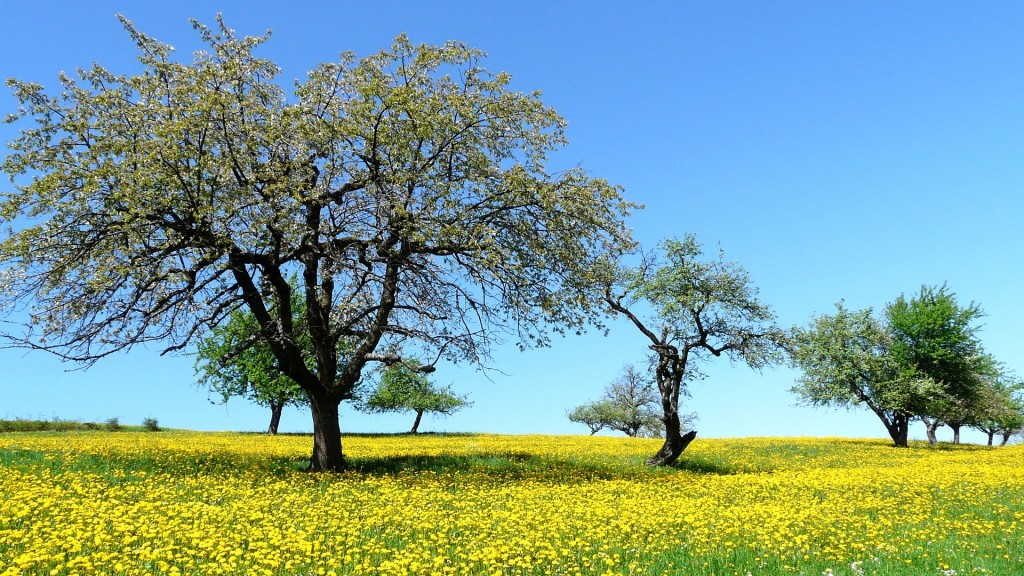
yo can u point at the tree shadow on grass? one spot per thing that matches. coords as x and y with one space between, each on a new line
509 466
367 434
505 466
700 465
506 463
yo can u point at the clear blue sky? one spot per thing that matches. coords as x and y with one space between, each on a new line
851 150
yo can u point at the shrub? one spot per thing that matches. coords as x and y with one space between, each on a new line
151 424
113 425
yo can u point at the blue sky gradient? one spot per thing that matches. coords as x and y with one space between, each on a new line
837 150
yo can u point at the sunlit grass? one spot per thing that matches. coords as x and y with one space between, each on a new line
203 503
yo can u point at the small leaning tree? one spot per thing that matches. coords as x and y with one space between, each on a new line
408 192
701 308
594 415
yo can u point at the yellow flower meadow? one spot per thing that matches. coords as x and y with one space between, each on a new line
204 503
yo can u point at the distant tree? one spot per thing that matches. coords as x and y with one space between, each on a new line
636 397
594 415
921 360
846 361
403 388
409 191
933 337
630 404
232 361
700 308
1002 410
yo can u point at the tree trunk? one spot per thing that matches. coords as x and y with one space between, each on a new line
416 423
1006 438
991 435
674 442
897 424
903 431
956 433
899 429
275 416
327 455
931 427
669 375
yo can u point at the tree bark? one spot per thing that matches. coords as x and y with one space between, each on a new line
899 429
1006 438
956 433
931 428
669 375
991 436
416 423
674 444
327 455
903 431
896 423
275 416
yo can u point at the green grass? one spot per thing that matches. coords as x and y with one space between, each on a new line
60 425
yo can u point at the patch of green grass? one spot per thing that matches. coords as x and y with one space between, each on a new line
54 425
701 464
61 425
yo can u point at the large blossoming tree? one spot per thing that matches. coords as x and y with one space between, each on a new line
408 192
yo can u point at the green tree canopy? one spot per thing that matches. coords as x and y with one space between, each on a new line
232 361
922 359
408 191
403 388
595 415
934 337
845 361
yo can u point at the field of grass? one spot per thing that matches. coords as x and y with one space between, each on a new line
202 503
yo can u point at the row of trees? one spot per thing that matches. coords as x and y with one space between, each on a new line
921 359
392 208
